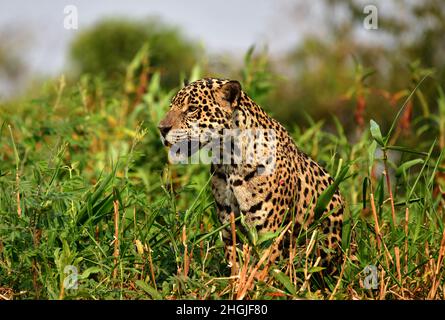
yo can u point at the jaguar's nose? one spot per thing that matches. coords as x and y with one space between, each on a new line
164 129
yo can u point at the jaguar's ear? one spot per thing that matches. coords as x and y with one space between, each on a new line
231 91
229 94
186 82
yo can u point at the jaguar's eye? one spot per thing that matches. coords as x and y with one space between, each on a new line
192 108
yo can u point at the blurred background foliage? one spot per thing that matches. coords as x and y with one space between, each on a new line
343 70
347 71
75 147
108 47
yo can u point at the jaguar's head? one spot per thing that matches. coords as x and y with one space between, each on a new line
199 111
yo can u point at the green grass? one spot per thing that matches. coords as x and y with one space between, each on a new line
84 182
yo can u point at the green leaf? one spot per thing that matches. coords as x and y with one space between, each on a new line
380 192
196 73
376 133
364 193
315 269
93 198
89 271
251 231
211 233
285 281
406 165
267 236
327 194
149 289
407 150
310 270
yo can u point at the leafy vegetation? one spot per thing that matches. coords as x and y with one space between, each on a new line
84 183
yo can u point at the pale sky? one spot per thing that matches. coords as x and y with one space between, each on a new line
36 28
222 26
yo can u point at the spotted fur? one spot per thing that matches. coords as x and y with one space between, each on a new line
292 189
